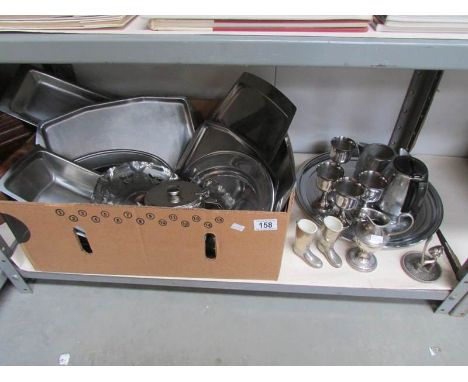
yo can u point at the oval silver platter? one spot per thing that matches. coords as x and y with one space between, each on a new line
427 222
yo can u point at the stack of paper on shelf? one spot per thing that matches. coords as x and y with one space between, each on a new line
256 25
61 23
422 24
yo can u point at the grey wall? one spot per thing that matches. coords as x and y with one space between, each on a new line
361 103
446 128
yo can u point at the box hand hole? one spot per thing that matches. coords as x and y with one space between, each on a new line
83 240
210 246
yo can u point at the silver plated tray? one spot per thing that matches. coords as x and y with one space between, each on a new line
37 97
157 125
427 221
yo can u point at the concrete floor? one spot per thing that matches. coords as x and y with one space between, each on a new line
110 325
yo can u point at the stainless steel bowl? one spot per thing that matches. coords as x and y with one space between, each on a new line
45 177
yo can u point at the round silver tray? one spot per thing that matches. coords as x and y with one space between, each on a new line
235 180
426 223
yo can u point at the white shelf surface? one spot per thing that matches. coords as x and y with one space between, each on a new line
297 276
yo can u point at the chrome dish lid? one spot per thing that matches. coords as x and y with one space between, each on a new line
175 194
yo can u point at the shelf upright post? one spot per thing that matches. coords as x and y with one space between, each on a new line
456 304
416 105
3 279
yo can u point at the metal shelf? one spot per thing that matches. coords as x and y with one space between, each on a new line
388 281
234 50
366 52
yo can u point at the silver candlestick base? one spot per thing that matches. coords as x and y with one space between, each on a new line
361 261
425 273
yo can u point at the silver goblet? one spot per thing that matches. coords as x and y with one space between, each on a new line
374 186
346 195
327 174
342 149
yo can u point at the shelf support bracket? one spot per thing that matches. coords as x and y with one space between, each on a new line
456 304
415 108
9 269
3 279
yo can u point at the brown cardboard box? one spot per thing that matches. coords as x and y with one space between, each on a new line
151 241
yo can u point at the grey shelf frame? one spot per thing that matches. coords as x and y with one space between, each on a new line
3 279
363 52
435 54
20 277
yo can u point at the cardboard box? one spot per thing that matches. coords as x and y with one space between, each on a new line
152 241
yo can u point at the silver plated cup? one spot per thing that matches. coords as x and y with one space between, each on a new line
327 174
342 149
374 185
347 194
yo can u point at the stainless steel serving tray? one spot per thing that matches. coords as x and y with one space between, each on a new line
235 180
37 97
258 112
211 137
45 177
157 125
427 221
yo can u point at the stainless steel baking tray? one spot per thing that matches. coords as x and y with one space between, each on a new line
46 177
159 126
103 160
38 97
211 137
427 221
258 112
